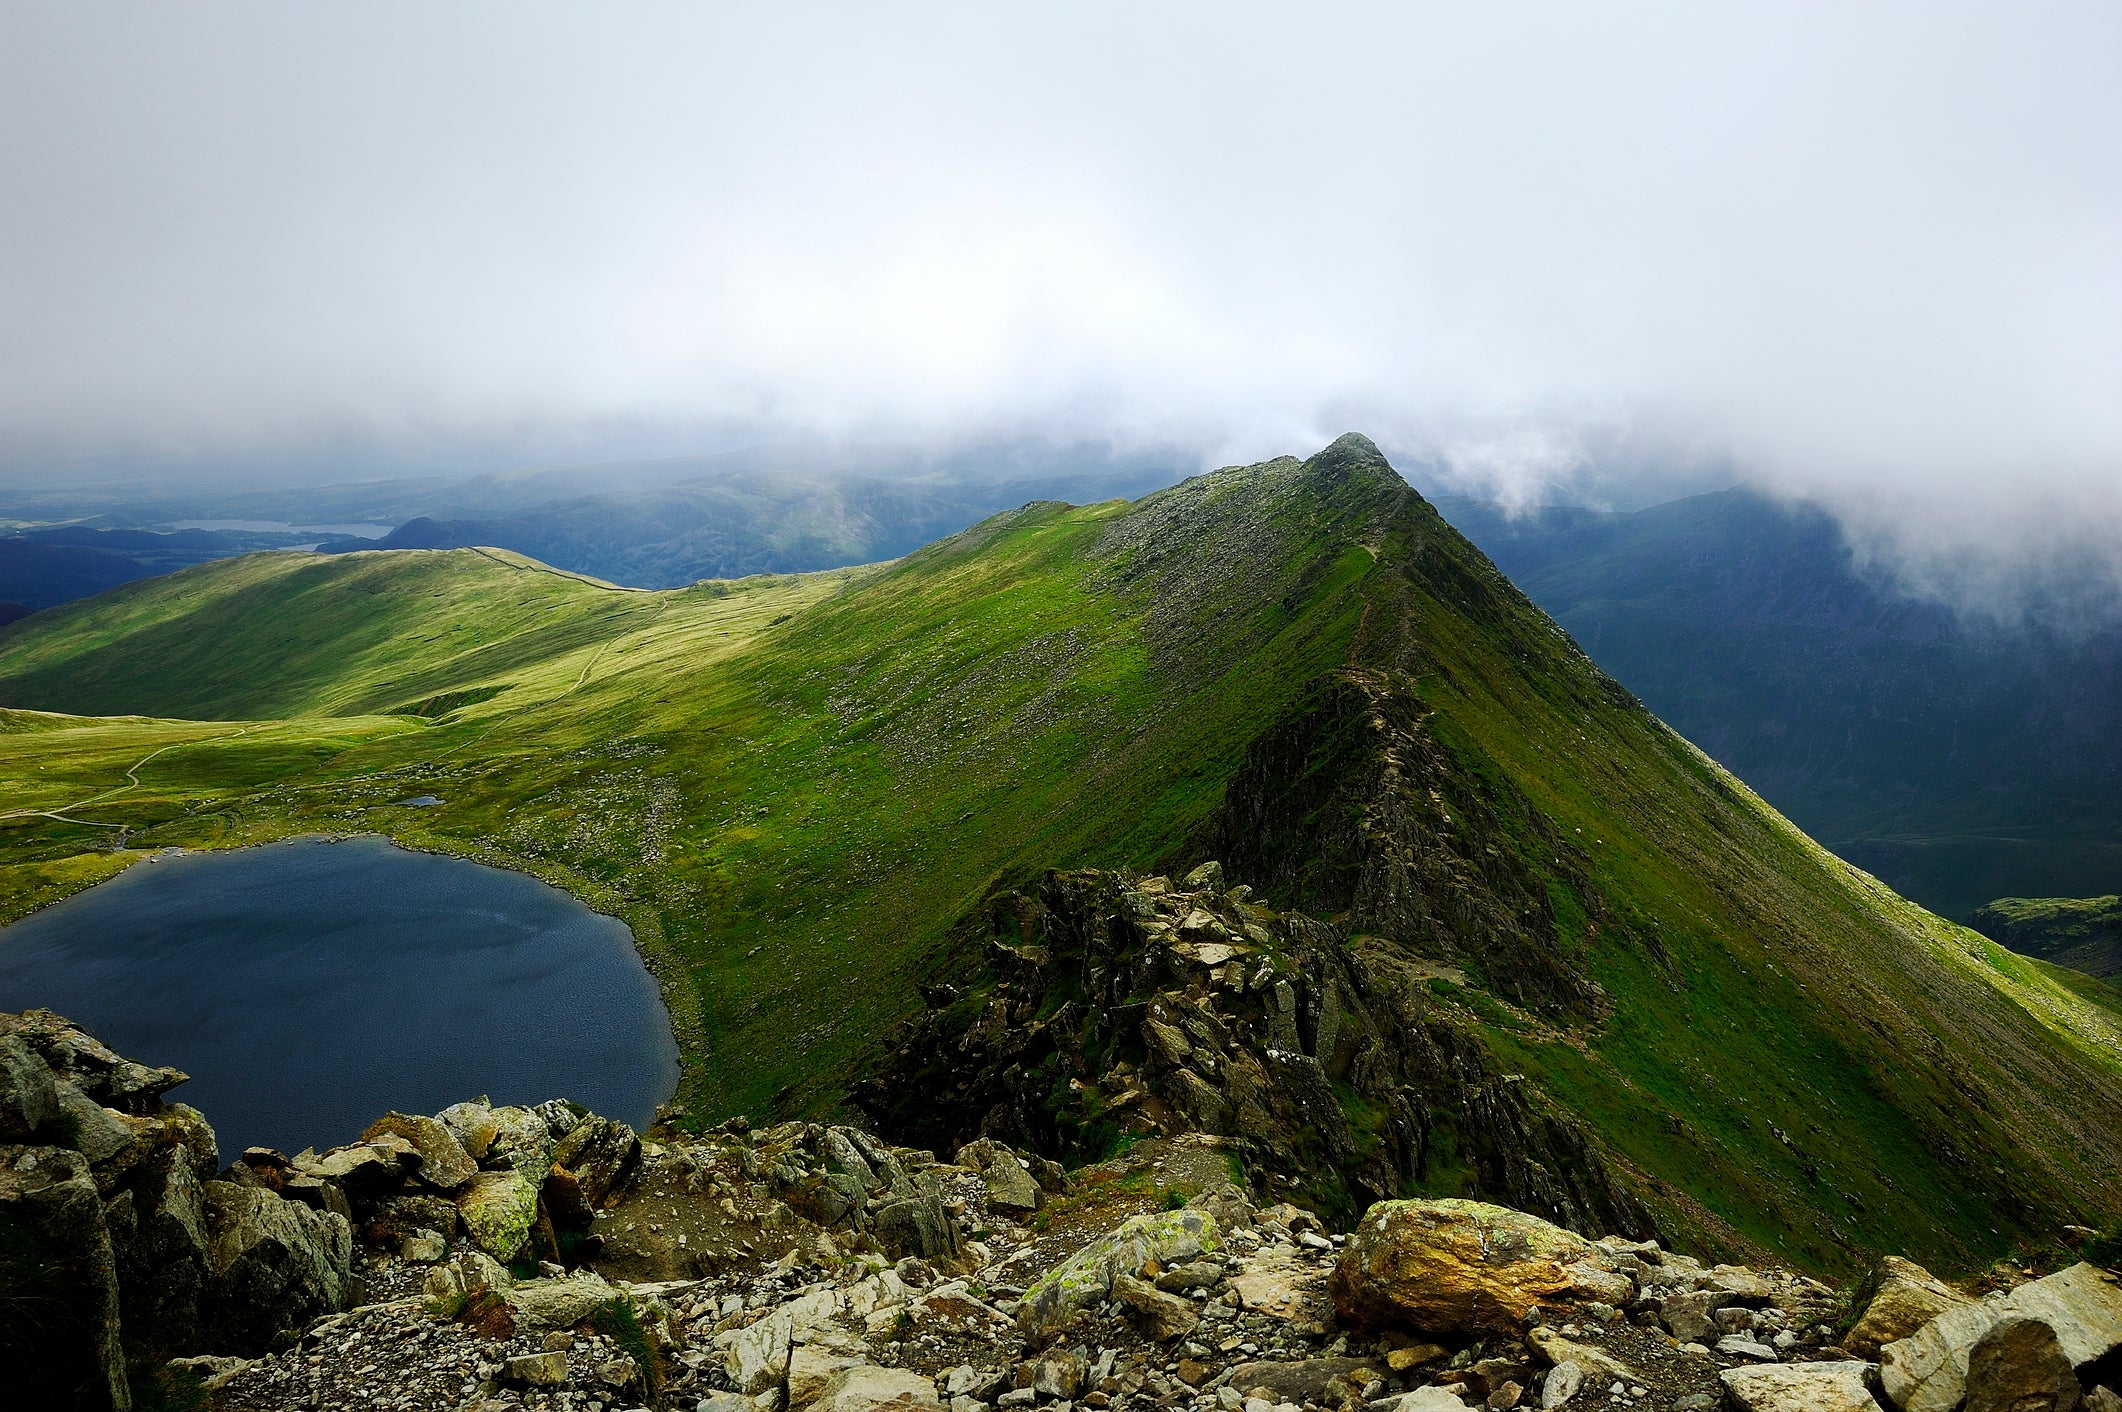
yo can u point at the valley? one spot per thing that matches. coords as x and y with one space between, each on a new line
804 794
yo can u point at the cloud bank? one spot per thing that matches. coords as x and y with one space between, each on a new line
1868 254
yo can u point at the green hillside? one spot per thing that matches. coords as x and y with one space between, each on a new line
794 789
2083 933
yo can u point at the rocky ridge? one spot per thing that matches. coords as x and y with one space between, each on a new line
1341 1068
547 1258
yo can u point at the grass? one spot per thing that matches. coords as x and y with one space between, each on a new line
792 788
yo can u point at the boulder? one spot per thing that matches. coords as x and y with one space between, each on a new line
1228 1203
916 1226
2018 1366
1927 1371
444 1164
1086 1278
1011 1188
1326 1382
1800 1387
1563 1382
596 1159
867 1388
1160 1316
61 1282
522 1140
548 1369
811 1368
1904 1298
29 1099
557 1303
1456 1266
473 1125
1556 1350
275 1264
498 1210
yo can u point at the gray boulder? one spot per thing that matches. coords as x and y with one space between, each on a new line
597 1159
444 1164
57 1268
1011 1189
917 1226
276 1264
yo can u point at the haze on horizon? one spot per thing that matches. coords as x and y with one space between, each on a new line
1871 256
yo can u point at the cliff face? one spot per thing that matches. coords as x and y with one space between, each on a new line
1343 1072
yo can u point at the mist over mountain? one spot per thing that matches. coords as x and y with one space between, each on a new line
1959 757
742 523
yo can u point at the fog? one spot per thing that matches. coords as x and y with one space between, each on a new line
1870 255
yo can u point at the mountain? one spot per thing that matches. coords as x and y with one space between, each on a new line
43 567
2083 933
1585 964
1957 758
742 523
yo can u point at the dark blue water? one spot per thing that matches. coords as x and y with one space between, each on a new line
308 987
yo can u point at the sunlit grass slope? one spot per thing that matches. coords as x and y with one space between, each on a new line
793 788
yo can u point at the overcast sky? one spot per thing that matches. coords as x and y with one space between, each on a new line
1871 251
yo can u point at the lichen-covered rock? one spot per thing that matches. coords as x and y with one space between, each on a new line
473 1125
498 1210
1086 1278
444 1164
276 1264
1455 1266
62 1284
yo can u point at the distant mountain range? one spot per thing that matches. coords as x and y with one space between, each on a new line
749 522
42 568
1959 760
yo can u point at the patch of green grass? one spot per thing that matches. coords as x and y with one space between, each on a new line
621 1323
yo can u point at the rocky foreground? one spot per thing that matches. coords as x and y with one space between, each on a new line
549 1258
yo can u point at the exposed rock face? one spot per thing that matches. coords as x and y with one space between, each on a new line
192 1264
443 1161
58 1283
1462 1267
1129 1005
276 1264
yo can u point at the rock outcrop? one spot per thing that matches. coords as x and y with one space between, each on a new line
1124 1006
111 1211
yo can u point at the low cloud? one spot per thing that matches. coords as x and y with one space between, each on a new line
1864 255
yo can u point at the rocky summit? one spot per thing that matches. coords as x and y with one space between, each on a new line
493 1256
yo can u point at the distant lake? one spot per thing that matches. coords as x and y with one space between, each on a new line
309 986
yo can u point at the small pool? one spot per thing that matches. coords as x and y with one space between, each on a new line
310 986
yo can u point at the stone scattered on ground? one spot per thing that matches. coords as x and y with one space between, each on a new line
495 1257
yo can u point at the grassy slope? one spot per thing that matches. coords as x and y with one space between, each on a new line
792 788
